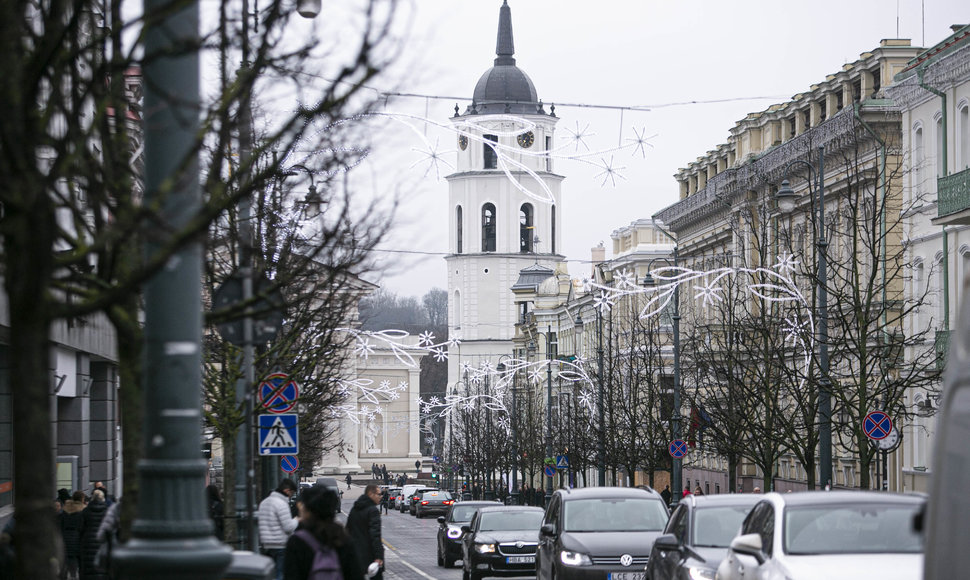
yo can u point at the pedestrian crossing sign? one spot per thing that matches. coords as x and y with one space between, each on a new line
278 435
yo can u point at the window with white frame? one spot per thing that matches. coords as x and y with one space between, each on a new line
963 126
919 158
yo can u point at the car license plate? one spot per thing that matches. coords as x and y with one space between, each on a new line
523 560
627 575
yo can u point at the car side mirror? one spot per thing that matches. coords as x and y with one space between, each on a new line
466 528
749 545
667 543
441 519
547 530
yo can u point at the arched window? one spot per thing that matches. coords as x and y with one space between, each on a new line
964 129
940 138
488 227
457 306
526 228
918 159
490 157
459 229
552 232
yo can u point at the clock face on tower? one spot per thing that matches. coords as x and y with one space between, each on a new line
462 142
526 139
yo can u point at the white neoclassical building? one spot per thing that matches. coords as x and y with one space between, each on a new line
505 207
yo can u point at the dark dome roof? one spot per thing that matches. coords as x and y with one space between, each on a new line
504 88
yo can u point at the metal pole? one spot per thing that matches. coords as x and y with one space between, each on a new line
824 395
602 403
677 466
515 440
548 411
172 535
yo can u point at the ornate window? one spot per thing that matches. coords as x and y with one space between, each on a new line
526 228
459 229
488 227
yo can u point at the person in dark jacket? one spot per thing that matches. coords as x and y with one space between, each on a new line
71 520
317 508
92 514
364 525
216 508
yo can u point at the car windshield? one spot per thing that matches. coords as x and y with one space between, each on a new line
509 521
715 527
436 495
614 515
851 529
463 513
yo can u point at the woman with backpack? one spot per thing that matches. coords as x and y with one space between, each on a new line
320 549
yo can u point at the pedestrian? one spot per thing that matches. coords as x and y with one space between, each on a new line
364 526
686 491
108 536
92 513
385 498
666 495
698 491
108 498
757 489
216 510
71 523
349 479
276 523
319 541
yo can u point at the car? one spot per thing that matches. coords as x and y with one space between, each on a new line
393 493
433 502
832 535
599 533
406 492
331 484
449 529
500 541
415 496
697 536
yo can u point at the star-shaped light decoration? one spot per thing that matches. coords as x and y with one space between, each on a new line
439 354
578 137
640 142
426 338
786 264
709 293
626 279
602 302
610 171
432 157
535 376
363 348
795 329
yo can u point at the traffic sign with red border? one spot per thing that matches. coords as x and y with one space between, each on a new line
678 448
549 470
289 463
877 425
278 393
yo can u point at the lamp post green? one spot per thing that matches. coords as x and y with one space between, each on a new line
172 535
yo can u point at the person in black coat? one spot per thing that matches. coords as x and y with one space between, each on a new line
317 507
92 514
216 509
71 523
364 525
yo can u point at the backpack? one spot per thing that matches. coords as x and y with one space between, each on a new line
326 565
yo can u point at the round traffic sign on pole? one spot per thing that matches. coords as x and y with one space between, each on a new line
549 470
278 393
877 425
289 463
678 448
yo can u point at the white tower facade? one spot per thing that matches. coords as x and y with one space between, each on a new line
502 217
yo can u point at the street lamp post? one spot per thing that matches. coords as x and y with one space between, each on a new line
786 204
600 402
676 468
549 451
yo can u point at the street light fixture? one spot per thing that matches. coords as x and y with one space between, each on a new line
786 204
549 450
676 471
601 436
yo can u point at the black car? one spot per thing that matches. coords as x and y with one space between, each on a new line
415 497
697 536
433 502
449 529
500 541
599 533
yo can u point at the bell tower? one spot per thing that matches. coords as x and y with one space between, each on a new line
504 204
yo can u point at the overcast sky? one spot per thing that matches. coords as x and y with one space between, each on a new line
699 66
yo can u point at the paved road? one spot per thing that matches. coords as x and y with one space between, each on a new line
409 545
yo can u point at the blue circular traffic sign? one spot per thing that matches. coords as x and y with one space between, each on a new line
678 448
289 463
877 425
278 393
549 470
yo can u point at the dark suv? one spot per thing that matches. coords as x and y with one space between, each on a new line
599 533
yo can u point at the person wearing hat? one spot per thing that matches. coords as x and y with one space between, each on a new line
318 531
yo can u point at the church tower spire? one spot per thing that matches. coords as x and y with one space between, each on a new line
504 46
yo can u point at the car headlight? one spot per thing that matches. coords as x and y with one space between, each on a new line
454 533
701 573
485 548
574 558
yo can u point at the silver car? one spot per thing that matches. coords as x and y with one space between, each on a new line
831 535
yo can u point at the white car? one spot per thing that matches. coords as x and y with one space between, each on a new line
831 535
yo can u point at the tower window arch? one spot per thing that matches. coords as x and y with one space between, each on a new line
552 233
526 228
459 229
488 148
488 227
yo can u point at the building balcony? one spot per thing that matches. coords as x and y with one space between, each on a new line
953 199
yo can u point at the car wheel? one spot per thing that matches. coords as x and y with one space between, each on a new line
449 563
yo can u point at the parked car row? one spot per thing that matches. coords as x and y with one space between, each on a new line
610 533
